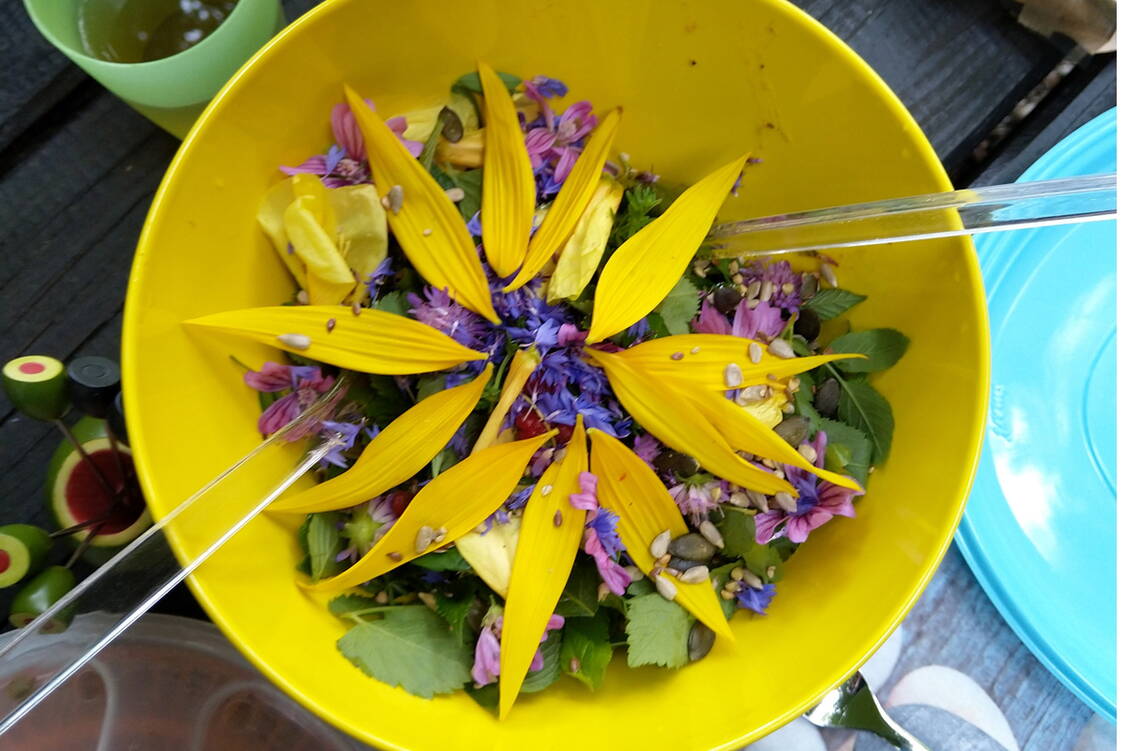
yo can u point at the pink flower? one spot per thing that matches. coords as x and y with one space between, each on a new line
710 321
616 577
486 656
697 500
762 319
586 499
556 138
647 448
285 410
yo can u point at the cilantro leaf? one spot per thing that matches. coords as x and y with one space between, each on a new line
863 408
831 302
679 307
409 647
656 632
549 673
324 543
883 347
586 648
580 594
857 449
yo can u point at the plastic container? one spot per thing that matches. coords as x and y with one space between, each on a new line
172 91
166 683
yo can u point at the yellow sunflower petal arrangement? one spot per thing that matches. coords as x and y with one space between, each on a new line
568 428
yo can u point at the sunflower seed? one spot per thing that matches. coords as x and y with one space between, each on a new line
700 641
694 351
663 560
385 203
751 579
395 199
575 665
296 341
727 594
395 556
787 409
677 356
737 573
356 308
731 586
695 575
787 288
666 588
733 268
635 574
752 303
750 394
546 489
427 232
700 267
759 500
770 571
753 289
481 528
767 291
739 499
808 452
557 520
423 538
716 493
710 533
754 351
828 275
440 535
732 375
382 598
786 502
769 463
781 348
302 297
737 278
660 544
428 600
793 385
455 194
603 591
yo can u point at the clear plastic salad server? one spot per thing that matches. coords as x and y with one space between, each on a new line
970 211
135 579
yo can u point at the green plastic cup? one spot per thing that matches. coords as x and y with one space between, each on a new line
172 91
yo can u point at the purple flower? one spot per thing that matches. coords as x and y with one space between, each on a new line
569 334
277 377
519 498
605 525
285 410
710 321
439 311
785 281
647 447
486 658
474 225
762 319
616 577
818 501
586 499
696 500
382 273
348 431
554 139
547 87
754 599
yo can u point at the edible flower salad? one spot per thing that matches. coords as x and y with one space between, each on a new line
570 425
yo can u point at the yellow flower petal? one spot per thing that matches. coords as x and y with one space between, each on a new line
583 251
428 226
646 266
314 191
703 359
271 218
492 554
399 451
645 509
679 425
520 369
573 199
457 500
361 231
508 187
745 433
769 410
328 276
371 342
550 532
468 153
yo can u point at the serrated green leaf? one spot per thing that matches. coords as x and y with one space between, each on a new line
324 543
580 593
586 649
448 560
679 307
488 696
640 587
455 611
857 444
863 408
830 303
393 302
765 562
656 632
383 401
409 647
549 674
803 401
883 347
737 527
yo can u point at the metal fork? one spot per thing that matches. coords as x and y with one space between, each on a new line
853 706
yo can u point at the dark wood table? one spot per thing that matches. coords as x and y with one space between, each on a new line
78 169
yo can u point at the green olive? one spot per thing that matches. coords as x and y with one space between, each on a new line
39 594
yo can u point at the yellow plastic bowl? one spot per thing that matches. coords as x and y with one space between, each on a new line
699 82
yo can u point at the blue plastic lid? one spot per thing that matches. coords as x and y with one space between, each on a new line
1039 529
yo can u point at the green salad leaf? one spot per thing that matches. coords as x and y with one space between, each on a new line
656 632
883 347
764 561
637 210
580 593
863 408
849 444
324 543
737 527
384 402
679 307
720 576
470 83
455 610
586 649
352 606
447 560
394 302
409 647
470 182
831 302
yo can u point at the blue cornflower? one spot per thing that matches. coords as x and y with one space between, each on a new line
605 525
349 431
755 599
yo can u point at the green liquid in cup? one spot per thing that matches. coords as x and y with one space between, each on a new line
138 31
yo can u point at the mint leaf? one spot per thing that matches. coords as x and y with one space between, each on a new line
738 530
680 306
656 632
324 543
863 408
830 303
857 445
586 649
580 594
393 302
409 647
549 674
448 560
883 347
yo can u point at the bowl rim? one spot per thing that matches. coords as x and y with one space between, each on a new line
929 164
